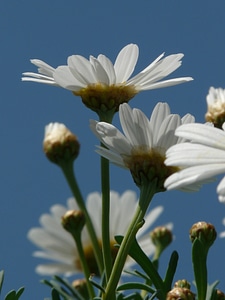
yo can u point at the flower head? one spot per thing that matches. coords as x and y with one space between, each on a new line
58 245
142 147
102 85
199 160
216 107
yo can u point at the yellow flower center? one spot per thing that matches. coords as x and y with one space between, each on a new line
148 164
90 258
102 98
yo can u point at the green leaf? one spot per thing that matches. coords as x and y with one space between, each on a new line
1 279
135 286
142 259
199 257
211 291
11 295
55 295
137 274
172 266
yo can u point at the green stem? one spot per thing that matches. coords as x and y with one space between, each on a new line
70 177
84 264
146 193
106 249
105 186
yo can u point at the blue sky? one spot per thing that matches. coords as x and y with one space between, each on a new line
53 30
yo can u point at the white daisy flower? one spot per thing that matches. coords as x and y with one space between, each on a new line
200 160
143 145
99 80
57 244
216 106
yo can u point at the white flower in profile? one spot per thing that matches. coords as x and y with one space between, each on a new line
216 106
142 146
57 244
99 78
199 160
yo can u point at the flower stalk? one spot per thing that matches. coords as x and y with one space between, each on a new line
147 192
71 179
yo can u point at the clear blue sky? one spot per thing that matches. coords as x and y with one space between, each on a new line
53 30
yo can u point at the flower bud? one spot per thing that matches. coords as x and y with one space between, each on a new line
81 286
183 283
219 295
180 294
73 221
205 232
60 144
216 107
161 237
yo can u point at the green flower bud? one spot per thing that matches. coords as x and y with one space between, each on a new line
205 232
60 144
161 237
183 283
180 294
73 221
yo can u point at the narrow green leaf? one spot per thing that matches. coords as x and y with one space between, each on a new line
67 284
11 295
97 285
211 291
19 292
137 274
199 257
142 259
55 295
1 279
135 286
172 266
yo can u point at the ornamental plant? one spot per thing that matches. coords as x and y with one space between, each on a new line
103 238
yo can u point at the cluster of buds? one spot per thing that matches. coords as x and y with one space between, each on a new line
179 293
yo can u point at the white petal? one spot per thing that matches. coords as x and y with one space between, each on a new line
221 190
166 136
43 68
150 218
109 68
52 269
126 62
203 134
111 156
159 113
100 73
164 83
82 69
135 126
65 79
193 176
113 138
188 154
